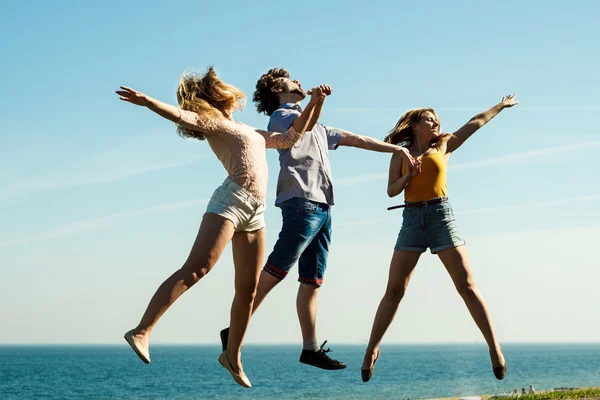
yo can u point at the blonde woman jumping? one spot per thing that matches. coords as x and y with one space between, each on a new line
236 210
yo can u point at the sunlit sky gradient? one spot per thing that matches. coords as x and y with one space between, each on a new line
101 200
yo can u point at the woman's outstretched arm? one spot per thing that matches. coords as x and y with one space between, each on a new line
140 99
465 132
189 119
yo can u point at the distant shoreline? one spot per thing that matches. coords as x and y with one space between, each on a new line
557 393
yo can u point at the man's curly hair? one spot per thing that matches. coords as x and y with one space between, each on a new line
265 99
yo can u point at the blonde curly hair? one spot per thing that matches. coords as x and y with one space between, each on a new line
208 95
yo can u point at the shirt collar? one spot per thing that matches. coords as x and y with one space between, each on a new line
292 106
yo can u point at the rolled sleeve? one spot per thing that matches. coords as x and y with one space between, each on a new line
282 120
333 137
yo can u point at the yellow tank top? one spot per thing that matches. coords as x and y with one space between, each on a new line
430 183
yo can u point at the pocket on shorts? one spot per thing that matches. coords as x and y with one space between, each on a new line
300 207
220 196
411 217
445 213
303 215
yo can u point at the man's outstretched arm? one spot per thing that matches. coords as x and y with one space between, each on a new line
368 143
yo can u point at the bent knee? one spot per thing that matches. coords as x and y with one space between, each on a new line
196 271
247 292
394 295
467 290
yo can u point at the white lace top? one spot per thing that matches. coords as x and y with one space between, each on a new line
240 148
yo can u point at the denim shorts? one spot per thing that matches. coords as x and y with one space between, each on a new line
304 237
430 227
235 203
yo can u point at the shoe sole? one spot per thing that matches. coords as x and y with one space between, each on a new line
131 343
500 372
367 374
325 368
224 361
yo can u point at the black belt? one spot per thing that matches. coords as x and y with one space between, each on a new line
421 203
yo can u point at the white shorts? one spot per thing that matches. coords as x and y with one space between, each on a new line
235 203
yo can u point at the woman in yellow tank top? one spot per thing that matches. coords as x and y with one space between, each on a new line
428 222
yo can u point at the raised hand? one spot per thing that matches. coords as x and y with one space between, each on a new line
132 96
316 95
319 93
325 88
406 156
414 170
509 101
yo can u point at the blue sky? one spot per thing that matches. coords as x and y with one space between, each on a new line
101 201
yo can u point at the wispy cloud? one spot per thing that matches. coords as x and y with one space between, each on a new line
95 224
81 177
135 156
476 109
532 204
499 160
526 155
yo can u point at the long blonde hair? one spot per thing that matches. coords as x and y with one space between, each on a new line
208 95
403 134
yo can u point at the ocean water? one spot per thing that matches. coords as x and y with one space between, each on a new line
193 372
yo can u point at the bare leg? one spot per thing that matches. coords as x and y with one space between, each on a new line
248 253
306 302
214 234
265 284
456 263
401 269
306 305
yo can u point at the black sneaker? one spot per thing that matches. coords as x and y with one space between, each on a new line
224 338
320 359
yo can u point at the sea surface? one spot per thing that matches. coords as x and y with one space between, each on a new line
193 372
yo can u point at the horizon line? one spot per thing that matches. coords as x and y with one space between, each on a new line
482 343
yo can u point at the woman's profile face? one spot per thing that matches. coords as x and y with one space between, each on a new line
428 126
